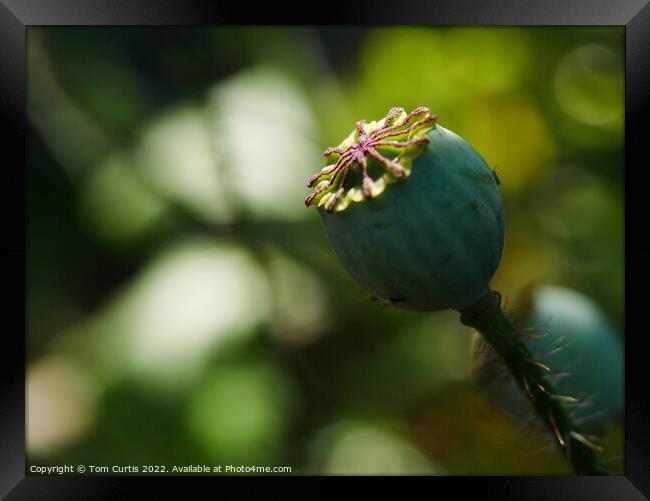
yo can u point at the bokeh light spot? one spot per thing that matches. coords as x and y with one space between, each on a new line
176 156
589 86
61 404
189 300
512 135
357 448
240 413
264 132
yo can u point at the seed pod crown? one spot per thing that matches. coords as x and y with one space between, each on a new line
384 149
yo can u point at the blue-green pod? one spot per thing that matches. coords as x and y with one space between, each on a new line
429 240
568 333
580 341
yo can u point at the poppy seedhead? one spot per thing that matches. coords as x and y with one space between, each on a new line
390 144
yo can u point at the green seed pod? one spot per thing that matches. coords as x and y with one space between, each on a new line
580 341
412 211
567 332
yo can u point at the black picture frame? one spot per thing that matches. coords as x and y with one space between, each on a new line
634 15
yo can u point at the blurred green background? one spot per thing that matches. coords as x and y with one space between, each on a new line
185 307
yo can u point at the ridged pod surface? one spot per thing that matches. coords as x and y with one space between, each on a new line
430 240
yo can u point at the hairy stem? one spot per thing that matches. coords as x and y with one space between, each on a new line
487 317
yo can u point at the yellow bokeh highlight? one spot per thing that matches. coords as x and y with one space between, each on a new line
512 136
